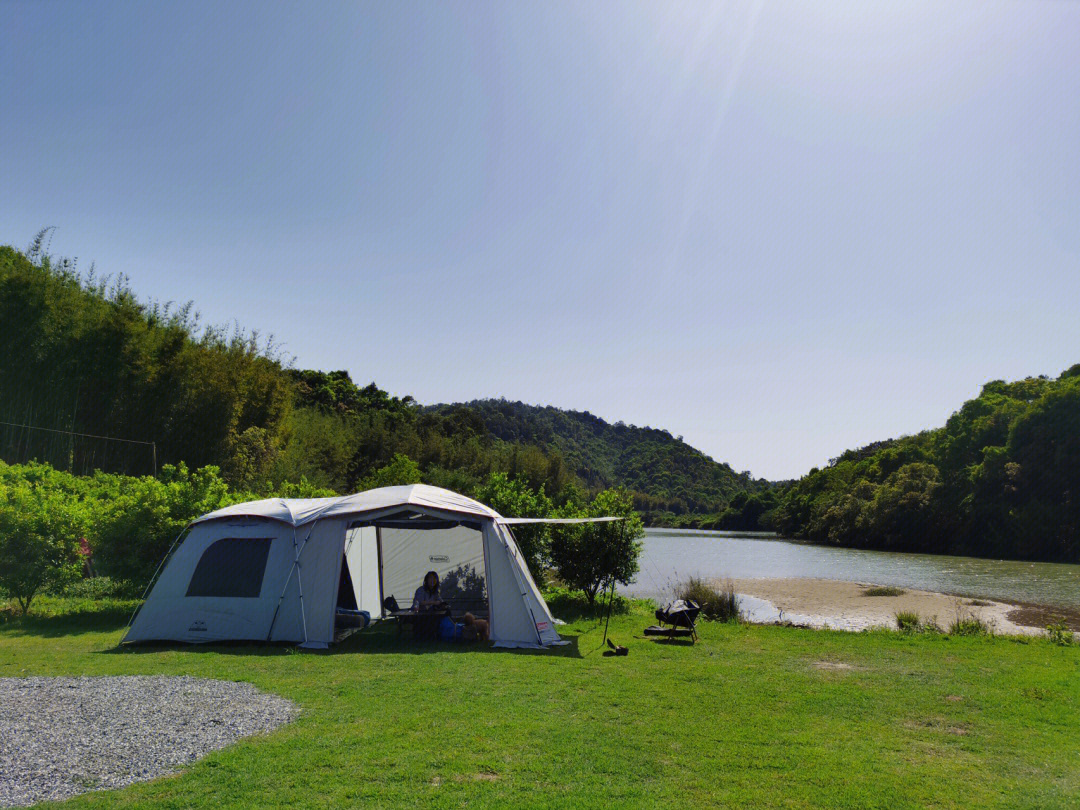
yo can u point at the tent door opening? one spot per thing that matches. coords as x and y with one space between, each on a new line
390 556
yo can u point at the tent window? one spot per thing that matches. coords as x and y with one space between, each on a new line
231 567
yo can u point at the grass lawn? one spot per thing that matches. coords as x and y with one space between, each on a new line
750 716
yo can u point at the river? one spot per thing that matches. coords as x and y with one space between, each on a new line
671 555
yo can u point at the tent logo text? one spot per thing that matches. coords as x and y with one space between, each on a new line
439 558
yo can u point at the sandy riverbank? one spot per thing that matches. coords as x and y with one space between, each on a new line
845 605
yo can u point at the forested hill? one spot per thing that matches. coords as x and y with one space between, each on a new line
666 474
1000 479
92 378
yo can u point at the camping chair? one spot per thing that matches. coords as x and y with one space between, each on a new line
681 615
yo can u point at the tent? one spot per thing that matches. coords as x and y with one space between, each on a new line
278 569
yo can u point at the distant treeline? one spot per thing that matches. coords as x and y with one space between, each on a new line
1000 479
80 354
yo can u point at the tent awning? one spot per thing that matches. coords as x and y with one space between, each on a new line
301 511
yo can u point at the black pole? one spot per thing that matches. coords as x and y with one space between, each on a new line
611 599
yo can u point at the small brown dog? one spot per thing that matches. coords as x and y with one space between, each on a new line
475 629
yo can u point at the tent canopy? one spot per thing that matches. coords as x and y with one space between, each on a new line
301 511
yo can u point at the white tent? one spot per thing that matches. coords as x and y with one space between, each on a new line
275 569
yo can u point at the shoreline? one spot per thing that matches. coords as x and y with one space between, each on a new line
843 605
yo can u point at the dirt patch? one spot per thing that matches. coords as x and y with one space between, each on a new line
1042 615
832 666
937 724
482 776
953 698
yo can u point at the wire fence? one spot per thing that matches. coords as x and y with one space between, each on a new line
75 452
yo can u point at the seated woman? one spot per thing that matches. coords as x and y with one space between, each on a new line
428 602
427 596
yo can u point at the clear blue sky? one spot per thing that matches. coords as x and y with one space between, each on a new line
779 229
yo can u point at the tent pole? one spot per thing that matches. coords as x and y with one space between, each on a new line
486 533
281 598
300 587
378 551
611 599
288 579
514 557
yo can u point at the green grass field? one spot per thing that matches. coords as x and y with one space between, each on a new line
750 716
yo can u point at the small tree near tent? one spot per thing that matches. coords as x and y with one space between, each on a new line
589 556
39 541
514 498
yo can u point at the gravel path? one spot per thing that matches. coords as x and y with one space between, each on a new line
63 736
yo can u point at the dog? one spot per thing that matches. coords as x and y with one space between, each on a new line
475 629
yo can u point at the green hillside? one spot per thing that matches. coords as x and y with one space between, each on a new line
1000 479
666 474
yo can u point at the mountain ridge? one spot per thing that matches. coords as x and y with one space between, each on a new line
667 473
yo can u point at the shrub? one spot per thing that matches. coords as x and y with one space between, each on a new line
908 621
102 588
717 604
400 471
968 624
1060 634
884 590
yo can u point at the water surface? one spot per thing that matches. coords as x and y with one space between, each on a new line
671 555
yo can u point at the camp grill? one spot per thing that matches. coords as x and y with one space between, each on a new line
681 615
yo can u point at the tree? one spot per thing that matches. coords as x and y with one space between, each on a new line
251 458
589 556
77 353
39 541
400 471
513 498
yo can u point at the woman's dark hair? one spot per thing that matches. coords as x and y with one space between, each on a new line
427 578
